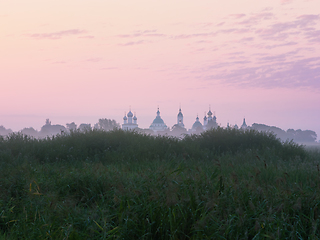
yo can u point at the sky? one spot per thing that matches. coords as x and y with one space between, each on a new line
81 60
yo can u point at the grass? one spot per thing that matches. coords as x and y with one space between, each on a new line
222 184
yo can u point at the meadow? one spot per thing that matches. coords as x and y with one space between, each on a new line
221 184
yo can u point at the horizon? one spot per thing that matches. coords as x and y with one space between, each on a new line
145 121
81 61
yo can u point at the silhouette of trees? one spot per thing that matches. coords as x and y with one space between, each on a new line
84 127
290 134
178 130
71 126
30 132
50 130
4 131
106 124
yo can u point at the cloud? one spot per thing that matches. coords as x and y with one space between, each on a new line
145 33
225 64
256 18
291 74
133 43
237 16
59 62
220 24
278 58
280 45
247 39
57 35
281 31
313 36
87 37
193 35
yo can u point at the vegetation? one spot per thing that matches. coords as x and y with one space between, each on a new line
222 184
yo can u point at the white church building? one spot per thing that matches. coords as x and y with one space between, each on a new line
158 124
129 122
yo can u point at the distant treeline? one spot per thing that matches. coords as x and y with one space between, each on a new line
105 124
291 134
49 129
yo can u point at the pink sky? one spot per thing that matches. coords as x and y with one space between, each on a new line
84 60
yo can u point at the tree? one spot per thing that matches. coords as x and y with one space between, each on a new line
71 126
305 136
50 130
106 124
30 132
4 131
84 127
178 130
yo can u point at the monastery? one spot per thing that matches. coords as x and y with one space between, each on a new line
158 125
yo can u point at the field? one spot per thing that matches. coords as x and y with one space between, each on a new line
222 184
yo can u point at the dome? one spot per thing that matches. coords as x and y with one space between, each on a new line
196 125
130 114
209 113
158 120
205 118
180 113
134 118
125 118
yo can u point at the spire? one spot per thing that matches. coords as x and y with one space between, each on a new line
209 113
135 118
244 124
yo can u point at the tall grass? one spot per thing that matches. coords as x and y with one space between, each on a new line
222 184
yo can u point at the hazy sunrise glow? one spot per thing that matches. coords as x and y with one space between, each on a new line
84 60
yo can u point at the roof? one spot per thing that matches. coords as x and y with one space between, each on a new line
196 125
130 114
158 120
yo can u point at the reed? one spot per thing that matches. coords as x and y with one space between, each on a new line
222 184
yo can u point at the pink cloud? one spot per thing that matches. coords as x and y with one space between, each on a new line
133 43
282 30
220 24
145 33
274 73
193 35
87 37
247 39
240 15
57 35
256 18
280 45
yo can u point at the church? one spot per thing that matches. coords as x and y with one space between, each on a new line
129 122
158 125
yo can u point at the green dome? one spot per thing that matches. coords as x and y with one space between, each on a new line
196 125
158 120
